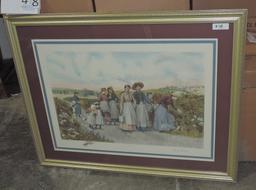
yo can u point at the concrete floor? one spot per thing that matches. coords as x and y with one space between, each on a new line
19 168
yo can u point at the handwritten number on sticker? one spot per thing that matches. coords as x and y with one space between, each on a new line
220 26
35 3
24 1
20 7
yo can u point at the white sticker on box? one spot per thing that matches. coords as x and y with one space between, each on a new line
20 6
220 26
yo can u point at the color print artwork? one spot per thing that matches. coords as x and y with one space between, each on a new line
143 97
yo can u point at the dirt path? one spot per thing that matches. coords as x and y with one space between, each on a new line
149 137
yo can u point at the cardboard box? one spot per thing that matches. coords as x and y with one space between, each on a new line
66 6
251 24
250 49
247 140
249 75
108 6
250 63
226 4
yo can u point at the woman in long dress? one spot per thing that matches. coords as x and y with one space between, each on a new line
141 107
163 120
76 106
127 110
112 101
104 107
99 120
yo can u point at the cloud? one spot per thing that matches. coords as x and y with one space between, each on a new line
101 69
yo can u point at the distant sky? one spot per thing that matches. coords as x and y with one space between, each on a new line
94 70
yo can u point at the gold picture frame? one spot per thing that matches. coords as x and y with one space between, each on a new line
22 30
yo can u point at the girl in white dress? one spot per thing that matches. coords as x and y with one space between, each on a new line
92 117
127 110
99 117
104 107
112 101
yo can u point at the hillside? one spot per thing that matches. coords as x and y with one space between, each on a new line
81 92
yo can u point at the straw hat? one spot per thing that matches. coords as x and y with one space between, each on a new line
137 84
110 88
127 85
103 89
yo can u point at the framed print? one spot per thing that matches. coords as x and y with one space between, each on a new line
153 93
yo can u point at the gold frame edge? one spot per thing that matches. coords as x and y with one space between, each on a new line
237 17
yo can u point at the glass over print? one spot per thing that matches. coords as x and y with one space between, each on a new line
164 91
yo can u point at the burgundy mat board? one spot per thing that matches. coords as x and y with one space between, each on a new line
225 41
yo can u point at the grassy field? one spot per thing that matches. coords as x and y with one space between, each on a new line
84 101
70 128
188 108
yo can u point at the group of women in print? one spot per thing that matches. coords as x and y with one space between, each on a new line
132 110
